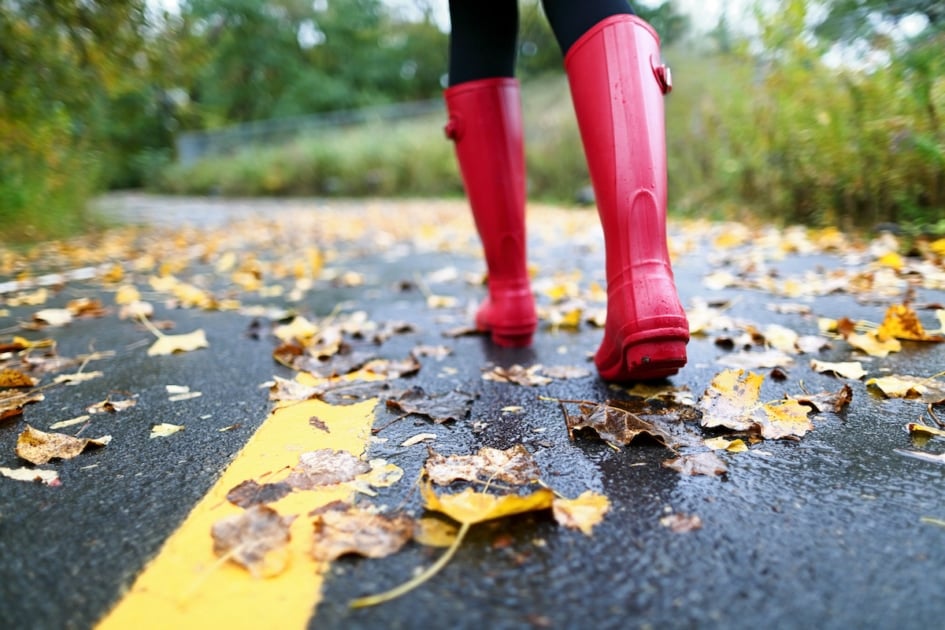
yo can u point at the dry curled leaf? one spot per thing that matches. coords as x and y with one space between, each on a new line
111 406
359 531
257 539
514 466
827 401
39 447
164 429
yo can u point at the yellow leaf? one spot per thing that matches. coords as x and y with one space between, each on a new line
873 345
169 344
785 418
938 246
582 513
435 532
469 507
725 444
127 294
164 429
847 369
891 260
901 322
730 398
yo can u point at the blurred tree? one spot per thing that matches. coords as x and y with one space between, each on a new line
848 20
60 61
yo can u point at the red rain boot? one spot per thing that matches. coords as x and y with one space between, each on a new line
617 83
485 122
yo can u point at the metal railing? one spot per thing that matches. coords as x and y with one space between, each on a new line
194 145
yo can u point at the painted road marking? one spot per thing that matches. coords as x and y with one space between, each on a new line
186 586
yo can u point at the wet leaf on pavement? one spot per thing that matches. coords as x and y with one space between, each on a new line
517 374
48 477
926 390
615 425
514 466
706 463
359 531
469 507
171 344
441 408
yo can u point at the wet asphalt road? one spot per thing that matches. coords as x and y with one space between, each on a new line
824 532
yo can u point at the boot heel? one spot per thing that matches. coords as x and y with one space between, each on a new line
507 340
651 360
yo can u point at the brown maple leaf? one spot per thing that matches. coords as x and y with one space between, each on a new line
325 467
613 423
38 447
251 493
706 463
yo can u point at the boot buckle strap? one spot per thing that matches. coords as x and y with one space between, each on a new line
453 128
663 77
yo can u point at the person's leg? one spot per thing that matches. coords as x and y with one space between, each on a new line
617 83
485 123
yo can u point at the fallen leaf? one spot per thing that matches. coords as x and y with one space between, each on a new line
11 378
453 405
517 374
111 406
420 437
514 466
53 316
901 322
872 344
12 402
39 447
383 474
325 467
831 401
924 431
78 377
561 372
706 463
170 344
62 424
926 390
469 507
847 369
731 401
257 540
736 445
436 352
164 429
433 531
359 531
681 523
48 477
393 369
251 493
582 513
616 426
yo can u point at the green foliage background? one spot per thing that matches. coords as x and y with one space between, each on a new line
93 94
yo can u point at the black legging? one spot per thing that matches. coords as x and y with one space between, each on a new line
484 33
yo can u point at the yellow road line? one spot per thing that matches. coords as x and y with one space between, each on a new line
186 586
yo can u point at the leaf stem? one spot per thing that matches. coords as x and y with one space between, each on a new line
406 587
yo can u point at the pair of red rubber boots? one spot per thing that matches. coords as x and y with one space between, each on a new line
617 84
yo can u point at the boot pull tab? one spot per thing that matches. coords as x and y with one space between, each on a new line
663 77
454 128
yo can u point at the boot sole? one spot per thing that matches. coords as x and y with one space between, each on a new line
660 355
